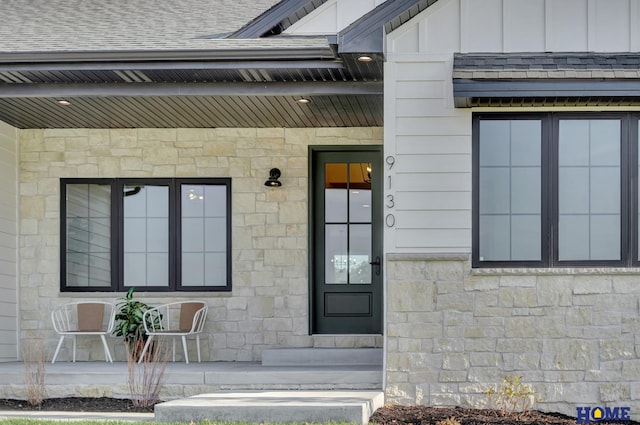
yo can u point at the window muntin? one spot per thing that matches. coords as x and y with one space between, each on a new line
88 236
160 234
204 243
581 186
589 170
146 235
510 190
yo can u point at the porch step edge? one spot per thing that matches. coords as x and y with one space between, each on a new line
273 406
322 357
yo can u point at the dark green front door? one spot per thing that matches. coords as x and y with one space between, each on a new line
346 275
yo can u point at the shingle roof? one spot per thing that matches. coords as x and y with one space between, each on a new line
546 65
117 25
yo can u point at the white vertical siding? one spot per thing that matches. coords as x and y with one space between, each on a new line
566 25
332 17
485 34
430 181
524 25
8 243
609 25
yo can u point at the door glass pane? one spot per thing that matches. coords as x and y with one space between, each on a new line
510 190
146 235
204 235
589 190
359 253
335 193
88 235
360 192
336 254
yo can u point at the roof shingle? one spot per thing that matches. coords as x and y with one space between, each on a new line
87 25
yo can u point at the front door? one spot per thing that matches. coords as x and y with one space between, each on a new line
346 249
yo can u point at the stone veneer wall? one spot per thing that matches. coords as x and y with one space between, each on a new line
268 306
452 333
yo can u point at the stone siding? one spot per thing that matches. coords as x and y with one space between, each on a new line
452 333
268 306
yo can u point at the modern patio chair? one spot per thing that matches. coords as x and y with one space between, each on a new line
84 318
181 318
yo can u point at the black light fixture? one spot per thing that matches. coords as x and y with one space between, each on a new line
274 175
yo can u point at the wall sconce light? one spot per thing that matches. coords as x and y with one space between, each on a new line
274 175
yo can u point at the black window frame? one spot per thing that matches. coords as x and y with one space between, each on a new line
117 232
549 189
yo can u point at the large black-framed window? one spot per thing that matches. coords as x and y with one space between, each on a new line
555 190
155 234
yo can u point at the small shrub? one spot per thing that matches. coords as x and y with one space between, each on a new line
512 397
448 421
146 379
33 357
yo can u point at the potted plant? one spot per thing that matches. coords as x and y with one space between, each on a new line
129 323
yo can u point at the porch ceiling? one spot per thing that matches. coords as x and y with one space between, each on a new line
190 91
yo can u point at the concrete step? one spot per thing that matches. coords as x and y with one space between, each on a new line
273 406
322 357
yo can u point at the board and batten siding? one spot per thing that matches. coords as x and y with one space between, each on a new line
332 17
428 188
8 243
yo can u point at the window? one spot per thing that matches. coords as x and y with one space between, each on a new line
555 189
156 234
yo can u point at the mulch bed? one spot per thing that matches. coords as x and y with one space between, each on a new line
77 404
425 415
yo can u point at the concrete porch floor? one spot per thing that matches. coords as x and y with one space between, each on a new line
101 379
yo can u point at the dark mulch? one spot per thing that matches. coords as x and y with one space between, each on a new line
424 415
77 404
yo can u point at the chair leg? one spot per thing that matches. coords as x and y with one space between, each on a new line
173 347
198 346
184 347
107 354
74 348
144 350
55 355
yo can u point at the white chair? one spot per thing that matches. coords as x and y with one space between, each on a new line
181 318
84 318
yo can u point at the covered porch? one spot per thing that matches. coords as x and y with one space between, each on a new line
284 369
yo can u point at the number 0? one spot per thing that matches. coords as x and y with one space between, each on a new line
390 220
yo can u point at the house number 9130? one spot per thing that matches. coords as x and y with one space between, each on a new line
390 219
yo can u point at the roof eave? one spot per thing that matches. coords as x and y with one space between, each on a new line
366 35
271 54
468 92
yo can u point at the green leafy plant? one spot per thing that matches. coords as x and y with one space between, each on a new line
129 322
512 397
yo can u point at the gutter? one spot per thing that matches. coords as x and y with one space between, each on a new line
271 54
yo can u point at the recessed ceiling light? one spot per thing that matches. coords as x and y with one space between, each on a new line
64 102
365 58
303 100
